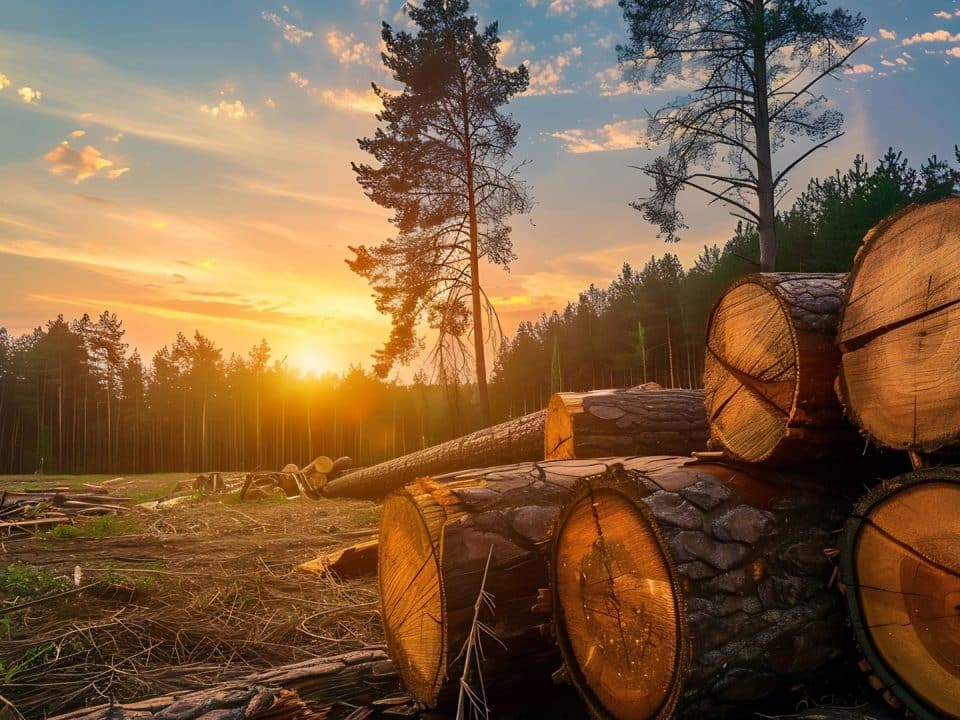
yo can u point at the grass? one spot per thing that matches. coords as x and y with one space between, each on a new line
22 580
96 527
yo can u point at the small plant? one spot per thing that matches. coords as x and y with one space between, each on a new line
98 527
19 579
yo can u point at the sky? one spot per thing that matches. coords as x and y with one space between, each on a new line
187 165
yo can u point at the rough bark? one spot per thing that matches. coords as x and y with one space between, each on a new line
899 335
304 691
517 440
608 423
770 368
900 568
435 539
685 588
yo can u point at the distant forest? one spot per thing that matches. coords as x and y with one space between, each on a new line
75 399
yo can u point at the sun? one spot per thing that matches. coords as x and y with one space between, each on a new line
311 362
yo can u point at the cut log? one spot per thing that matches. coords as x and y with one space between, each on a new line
435 537
900 332
608 423
686 588
304 691
354 561
770 369
900 567
517 440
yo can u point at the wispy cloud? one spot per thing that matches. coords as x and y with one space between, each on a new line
348 50
233 110
352 101
620 135
4 81
78 165
547 75
291 33
888 34
29 95
944 15
932 36
859 69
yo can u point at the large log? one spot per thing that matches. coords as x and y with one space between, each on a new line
684 588
435 537
304 691
900 331
517 440
900 567
770 369
636 421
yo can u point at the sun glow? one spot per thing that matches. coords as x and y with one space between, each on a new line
311 362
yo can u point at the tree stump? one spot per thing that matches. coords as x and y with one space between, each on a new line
435 537
770 369
900 331
684 588
900 566
636 421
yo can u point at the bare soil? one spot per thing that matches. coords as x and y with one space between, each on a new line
176 598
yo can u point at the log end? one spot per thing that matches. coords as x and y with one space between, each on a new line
558 428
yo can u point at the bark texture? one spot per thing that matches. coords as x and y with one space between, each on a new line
635 421
304 691
900 336
684 588
770 368
517 440
900 567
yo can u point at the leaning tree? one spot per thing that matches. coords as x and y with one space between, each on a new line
751 67
445 170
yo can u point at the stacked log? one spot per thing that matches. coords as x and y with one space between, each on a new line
682 588
900 335
900 567
770 369
636 421
436 536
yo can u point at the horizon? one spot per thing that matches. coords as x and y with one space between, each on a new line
201 140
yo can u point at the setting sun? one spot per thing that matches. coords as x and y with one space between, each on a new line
310 362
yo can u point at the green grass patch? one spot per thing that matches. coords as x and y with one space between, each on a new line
366 516
101 526
20 580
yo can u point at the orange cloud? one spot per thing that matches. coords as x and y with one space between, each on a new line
78 165
353 101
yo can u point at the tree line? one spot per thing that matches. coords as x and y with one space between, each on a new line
75 398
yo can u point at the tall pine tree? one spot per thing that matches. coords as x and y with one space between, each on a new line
445 169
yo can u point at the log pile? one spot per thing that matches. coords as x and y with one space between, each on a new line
31 510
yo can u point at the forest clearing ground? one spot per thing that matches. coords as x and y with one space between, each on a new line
177 598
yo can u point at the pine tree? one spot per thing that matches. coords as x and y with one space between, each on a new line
443 150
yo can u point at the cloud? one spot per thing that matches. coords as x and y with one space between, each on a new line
233 110
953 52
78 165
944 15
620 135
570 7
860 69
352 101
934 36
96 200
29 95
612 83
297 79
4 81
114 138
887 63
291 33
270 103
888 34
347 50
78 133
547 75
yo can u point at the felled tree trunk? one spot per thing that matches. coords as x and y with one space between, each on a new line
435 537
900 566
900 332
304 691
682 589
770 369
517 440
636 421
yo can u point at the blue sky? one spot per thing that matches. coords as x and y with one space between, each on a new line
187 164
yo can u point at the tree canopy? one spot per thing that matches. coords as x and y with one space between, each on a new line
751 68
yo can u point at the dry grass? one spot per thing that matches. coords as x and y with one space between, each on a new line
180 598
